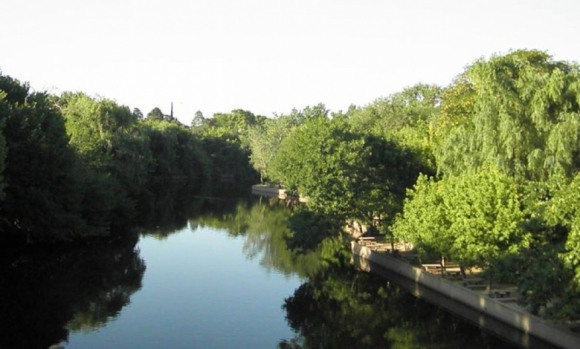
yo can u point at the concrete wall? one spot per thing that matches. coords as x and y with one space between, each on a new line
266 190
505 313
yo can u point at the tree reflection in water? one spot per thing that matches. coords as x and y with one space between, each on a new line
341 307
263 224
47 294
338 306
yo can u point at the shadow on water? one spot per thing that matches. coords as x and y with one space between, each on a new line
342 307
170 207
46 294
50 293
338 306
263 223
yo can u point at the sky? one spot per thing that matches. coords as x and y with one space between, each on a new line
267 56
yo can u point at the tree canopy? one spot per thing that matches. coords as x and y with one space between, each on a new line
484 171
519 112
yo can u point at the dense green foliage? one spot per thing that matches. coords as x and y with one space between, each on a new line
40 199
473 219
483 171
223 140
73 166
507 151
496 155
350 175
520 113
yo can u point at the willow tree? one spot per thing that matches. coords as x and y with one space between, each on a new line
264 140
519 112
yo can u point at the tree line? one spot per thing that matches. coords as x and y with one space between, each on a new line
74 166
484 171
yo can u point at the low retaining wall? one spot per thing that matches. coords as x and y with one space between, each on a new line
266 190
512 316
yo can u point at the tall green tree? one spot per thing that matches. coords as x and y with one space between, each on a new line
318 161
521 115
176 152
115 152
301 116
343 173
155 114
224 139
407 118
138 113
41 194
472 219
264 140
230 126
198 119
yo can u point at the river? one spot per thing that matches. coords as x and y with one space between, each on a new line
218 277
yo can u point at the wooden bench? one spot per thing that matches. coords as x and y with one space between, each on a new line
365 241
433 268
453 270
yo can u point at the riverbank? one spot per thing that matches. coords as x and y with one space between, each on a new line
498 316
276 192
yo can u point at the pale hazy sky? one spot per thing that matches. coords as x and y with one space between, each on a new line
266 56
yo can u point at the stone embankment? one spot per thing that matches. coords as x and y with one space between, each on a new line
467 295
276 192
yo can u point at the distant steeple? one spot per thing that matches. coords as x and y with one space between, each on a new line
171 111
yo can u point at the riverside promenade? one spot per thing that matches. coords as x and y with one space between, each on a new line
495 311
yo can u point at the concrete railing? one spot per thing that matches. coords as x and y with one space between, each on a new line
506 313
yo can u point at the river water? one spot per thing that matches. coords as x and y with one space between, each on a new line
221 276
199 291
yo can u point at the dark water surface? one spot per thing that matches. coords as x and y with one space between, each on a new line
222 277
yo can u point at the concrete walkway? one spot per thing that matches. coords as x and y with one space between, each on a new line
496 310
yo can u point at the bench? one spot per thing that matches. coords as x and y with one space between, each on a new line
433 268
366 241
